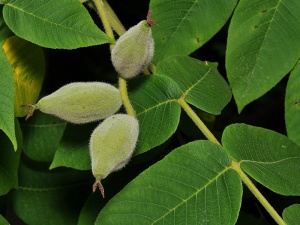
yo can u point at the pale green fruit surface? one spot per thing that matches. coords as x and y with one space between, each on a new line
133 51
82 102
112 144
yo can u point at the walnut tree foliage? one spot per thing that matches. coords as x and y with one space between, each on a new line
218 111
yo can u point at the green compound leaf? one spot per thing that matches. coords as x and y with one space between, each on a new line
292 105
3 221
269 157
263 46
7 99
4 30
291 214
64 24
192 185
42 134
50 197
201 83
184 25
28 65
91 209
73 149
154 99
9 161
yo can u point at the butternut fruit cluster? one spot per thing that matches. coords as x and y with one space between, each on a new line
113 141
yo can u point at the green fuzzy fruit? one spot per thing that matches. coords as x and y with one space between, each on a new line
81 102
111 146
134 50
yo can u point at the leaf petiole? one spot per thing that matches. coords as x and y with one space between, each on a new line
257 194
191 113
108 30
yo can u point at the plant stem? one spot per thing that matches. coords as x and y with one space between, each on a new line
102 13
257 194
113 19
191 113
122 82
125 99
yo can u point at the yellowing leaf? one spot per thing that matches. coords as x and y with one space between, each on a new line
28 65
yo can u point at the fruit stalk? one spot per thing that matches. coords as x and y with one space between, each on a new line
113 19
125 98
104 18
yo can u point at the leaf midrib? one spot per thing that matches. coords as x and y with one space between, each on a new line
196 83
53 188
251 73
48 21
269 162
156 106
195 193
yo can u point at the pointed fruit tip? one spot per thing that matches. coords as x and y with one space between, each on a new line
149 19
96 185
29 114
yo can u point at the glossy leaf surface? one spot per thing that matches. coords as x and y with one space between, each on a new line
269 157
153 98
291 214
9 161
184 26
53 24
42 134
263 46
73 149
292 105
49 197
7 99
200 82
192 185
